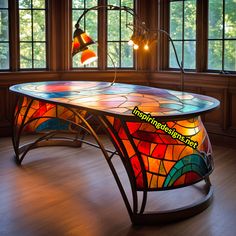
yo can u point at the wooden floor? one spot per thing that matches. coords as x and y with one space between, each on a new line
69 191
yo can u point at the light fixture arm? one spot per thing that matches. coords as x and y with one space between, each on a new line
109 7
139 28
176 56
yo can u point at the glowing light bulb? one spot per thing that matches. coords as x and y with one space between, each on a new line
131 42
146 47
136 46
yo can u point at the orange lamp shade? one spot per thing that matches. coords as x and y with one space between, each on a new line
88 56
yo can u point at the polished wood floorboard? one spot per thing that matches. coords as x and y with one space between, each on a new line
71 191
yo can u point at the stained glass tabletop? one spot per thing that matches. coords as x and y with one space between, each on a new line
119 99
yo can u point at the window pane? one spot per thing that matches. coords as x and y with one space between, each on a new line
38 3
32 25
3 25
25 25
182 30
39 55
118 35
75 16
126 55
4 4
176 19
190 19
4 56
230 19
24 3
78 4
127 3
173 61
215 55
230 55
113 29
215 19
126 32
91 24
4 35
25 55
190 54
39 25
91 3
114 2
113 51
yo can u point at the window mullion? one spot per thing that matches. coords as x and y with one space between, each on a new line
102 36
13 35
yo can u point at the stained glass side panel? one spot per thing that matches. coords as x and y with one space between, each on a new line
168 163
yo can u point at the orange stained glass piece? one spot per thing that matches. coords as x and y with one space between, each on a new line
111 119
153 146
145 161
153 164
129 148
153 182
160 181
168 165
162 170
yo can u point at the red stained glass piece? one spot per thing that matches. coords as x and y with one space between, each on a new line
192 177
149 137
133 126
167 139
159 151
117 124
144 147
122 134
136 165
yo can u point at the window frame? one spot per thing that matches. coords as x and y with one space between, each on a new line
120 41
201 39
183 40
8 41
102 42
223 40
46 9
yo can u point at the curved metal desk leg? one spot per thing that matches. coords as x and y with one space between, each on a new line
35 117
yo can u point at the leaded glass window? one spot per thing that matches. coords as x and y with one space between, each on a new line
183 32
32 34
4 35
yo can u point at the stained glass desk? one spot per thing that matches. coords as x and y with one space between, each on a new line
153 160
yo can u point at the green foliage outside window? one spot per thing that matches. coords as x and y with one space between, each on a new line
118 35
4 35
222 35
183 32
32 34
